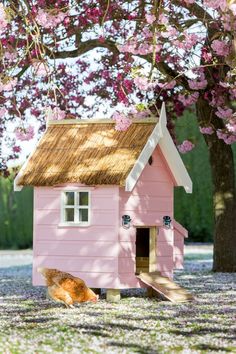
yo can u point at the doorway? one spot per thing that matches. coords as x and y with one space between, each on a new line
146 260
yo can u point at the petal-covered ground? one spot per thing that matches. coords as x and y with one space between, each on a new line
30 323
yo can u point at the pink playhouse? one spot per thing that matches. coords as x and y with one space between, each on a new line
103 201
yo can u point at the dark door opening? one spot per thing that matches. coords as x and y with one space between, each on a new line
142 249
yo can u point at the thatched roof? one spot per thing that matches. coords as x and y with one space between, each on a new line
89 153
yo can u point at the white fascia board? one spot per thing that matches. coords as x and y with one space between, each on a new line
175 162
143 159
163 119
17 187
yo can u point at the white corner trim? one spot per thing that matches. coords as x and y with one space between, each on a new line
175 162
163 119
17 187
143 158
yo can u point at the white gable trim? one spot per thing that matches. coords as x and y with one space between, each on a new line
17 187
143 159
175 162
161 136
162 120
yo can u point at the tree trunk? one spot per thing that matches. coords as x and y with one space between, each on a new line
224 192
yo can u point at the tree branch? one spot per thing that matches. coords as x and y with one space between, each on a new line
83 48
23 70
195 10
166 70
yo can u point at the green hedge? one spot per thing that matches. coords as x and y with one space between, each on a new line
16 216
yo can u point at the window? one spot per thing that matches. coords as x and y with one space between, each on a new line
75 207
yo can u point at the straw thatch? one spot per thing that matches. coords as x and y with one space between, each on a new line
92 154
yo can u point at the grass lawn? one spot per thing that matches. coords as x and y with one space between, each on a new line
30 323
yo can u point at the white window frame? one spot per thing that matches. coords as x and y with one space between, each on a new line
76 208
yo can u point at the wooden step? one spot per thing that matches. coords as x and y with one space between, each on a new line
165 287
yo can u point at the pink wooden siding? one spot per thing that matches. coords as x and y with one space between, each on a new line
90 252
150 200
104 253
179 234
165 243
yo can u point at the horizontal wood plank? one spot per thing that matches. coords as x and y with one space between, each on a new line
88 234
77 249
77 264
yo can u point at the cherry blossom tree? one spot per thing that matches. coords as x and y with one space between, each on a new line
67 58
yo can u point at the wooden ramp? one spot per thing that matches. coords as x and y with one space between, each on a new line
165 287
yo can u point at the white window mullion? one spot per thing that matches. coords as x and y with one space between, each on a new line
77 215
77 208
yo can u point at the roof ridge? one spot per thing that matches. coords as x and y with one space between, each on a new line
97 121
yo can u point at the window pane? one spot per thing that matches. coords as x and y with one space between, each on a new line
69 198
83 215
69 214
83 198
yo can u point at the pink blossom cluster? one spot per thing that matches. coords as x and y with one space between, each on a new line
215 97
139 49
228 138
3 112
40 68
10 55
188 100
232 7
122 122
231 125
163 19
93 13
169 31
24 134
143 83
189 1
232 93
49 20
55 114
8 86
227 22
142 114
220 47
150 18
224 113
206 130
3 19
206 55
58 114
139 114
197 84
190 39
200 82
169 85
186 146
215 4
147 33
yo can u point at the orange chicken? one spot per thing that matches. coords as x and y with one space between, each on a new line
64 287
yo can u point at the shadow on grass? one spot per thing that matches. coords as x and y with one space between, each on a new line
107 325
136 348
214 348
40 319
